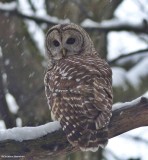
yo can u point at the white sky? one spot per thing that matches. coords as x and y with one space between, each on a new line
36 32
120 43
128 11
125 42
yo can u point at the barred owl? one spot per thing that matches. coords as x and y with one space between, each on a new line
78 87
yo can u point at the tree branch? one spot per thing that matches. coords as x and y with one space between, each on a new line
125 117
35 18
120 26
127 55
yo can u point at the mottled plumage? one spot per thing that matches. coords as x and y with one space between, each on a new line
78 88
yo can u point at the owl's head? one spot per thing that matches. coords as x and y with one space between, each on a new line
66 40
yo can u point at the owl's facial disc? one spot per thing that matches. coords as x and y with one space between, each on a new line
72 41
54 44
64 42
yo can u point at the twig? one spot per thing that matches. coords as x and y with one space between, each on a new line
127 55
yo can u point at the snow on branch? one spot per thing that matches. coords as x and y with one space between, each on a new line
89 25
8 6
13 11
27 133
115 25
48 141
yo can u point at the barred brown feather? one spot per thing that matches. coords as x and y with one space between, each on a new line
79 93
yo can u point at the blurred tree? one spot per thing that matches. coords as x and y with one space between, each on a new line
5 114
77 11
23 63
24 70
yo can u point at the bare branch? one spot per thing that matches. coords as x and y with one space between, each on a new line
129 116
15 12
139 28
128 55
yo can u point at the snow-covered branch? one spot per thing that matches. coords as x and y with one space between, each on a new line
115 25
28 133
12 10
89 25
49 140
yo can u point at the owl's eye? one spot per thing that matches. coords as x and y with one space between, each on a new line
56 43
70 40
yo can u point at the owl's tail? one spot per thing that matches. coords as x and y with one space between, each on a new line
90 140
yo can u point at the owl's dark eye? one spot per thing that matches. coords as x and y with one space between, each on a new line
56 43
70 40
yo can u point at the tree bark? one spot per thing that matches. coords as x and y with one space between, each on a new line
126 117
5 114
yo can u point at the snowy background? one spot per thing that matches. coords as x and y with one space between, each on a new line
133 144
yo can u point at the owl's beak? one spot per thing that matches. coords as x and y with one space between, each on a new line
63 52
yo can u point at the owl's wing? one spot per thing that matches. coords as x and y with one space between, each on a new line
102 101
89 109
47 88
86 118
97 97
81 100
